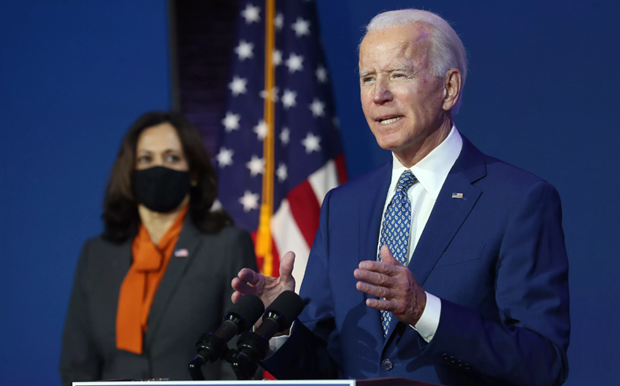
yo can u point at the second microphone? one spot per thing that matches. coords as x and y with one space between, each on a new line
253 346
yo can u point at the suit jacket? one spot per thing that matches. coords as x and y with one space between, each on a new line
191 299
496 259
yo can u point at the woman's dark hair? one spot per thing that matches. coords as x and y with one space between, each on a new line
120 208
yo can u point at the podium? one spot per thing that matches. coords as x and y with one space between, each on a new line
327 382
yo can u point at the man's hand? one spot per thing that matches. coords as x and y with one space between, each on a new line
265 287
389 279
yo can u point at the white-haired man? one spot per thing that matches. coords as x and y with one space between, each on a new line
445 265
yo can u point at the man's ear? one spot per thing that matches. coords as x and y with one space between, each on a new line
452 88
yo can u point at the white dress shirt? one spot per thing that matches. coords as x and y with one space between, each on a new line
431 172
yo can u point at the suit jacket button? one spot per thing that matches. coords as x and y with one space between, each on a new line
387 365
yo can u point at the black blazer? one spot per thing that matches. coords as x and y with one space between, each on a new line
191 299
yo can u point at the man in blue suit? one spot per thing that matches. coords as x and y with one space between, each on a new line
445 265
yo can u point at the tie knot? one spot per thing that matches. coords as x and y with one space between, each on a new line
406 180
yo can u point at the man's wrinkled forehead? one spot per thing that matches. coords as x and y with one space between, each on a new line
405 42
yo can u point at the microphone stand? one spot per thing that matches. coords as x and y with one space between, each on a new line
254 345
213 346
244 367
195 369
209 345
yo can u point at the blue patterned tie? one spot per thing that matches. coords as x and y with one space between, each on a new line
396 229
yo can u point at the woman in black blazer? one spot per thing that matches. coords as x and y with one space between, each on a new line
161 172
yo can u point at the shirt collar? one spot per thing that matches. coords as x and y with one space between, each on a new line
432 170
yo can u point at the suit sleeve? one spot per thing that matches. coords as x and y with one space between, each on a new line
79 359
529 346
306 354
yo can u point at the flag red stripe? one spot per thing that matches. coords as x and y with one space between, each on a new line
305 209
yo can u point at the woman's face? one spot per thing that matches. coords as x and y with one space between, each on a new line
160 146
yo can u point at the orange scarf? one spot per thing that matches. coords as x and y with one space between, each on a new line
140 284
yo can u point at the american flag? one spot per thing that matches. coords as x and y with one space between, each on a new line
307 157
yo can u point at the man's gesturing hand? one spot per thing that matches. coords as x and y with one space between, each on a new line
389 279
265 287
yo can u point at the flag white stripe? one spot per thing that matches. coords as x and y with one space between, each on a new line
288 237
323 180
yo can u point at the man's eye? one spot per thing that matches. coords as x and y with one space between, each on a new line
367 79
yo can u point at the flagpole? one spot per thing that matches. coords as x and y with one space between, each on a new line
263 239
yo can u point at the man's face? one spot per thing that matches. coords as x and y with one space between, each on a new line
401 99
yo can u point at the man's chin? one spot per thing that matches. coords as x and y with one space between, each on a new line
391 145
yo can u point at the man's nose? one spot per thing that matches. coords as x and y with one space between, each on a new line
382 93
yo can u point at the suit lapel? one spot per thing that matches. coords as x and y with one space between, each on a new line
370 210
120 264
448 213
189 240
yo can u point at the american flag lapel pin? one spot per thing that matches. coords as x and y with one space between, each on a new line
181 253
457 195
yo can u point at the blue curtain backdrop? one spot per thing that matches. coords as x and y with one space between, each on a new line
73 75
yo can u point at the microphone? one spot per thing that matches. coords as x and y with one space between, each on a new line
253 346
212 346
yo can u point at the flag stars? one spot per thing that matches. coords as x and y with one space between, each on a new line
273 94
249 201
294 63
276 58
282 173
278 21
244 50
301 27
256 166
251 14
317 107
217 205
311 143
261 130
237 86
285 136
288 99
321 74
231 122
224 157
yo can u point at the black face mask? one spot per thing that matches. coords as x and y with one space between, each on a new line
159 188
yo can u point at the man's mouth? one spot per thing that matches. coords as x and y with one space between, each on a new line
388 120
